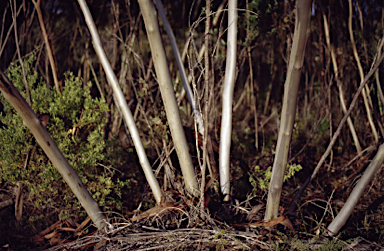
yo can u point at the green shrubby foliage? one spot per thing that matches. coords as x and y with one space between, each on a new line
76 125
264 176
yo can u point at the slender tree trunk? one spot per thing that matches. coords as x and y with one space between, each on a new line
180 65
121 102
168 95
229 85
303 17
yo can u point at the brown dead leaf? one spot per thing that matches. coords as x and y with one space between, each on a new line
254 211
100 244
57 241
37 238
52 227
83 224
52 235
212 146
153 211
44 118
40 237
70 223
287 223
279 220
66 229
207 198
270 223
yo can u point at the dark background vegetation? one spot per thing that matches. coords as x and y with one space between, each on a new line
264 39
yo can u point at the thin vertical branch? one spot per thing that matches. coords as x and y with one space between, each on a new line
168 96
115 14
121 102
338 131
377 77
206 96
252 87
47 45
342 122
26 85
365 91
338 81
202 49
179 62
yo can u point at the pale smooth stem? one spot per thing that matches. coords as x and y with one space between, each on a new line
229 84
121 102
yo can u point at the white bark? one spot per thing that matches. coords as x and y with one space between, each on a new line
229 85
303 17
168 95
121 102
357 192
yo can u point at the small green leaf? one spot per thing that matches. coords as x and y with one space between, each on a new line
156 120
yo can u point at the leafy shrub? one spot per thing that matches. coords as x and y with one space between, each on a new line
265 176
76 125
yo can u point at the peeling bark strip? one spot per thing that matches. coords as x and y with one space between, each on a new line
51 150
